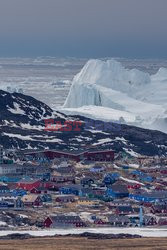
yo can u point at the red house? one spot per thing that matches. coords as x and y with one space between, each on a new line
38 190
105 155
63 221
133 186
158 208
28 184
99 222
102 155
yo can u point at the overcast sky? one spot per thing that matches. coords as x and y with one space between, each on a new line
84 28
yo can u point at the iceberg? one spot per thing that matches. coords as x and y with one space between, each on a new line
131 92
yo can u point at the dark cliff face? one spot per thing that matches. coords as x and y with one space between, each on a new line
22 125
21 107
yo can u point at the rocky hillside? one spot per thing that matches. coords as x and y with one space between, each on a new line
22 125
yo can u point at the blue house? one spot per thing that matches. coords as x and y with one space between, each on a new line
111 178
71 189
9 179
117 191
137 172
96 169
43 176
19 192
146 178
46 198
4 189
6 205
149 197
86 181
125 167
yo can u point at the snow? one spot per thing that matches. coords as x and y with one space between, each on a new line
28 126
22 137
132 165
131 181
136 96
131 152
2 223
23 215
100 113
17 109
34 138
145 232
102 141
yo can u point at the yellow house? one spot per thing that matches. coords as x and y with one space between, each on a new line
87 202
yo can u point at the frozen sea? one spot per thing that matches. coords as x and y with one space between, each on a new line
145 232
49 79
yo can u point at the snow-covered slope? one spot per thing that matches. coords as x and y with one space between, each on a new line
132 93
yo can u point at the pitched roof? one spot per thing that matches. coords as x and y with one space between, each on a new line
29 198
119 188
65 218
125 209
120 219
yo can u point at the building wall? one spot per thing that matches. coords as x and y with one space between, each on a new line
1 155
107 155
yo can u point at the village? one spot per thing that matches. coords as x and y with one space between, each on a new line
59 189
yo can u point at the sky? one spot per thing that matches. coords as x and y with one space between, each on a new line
83 28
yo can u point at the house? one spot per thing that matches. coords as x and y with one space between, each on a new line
133 185
86 181
12 203
62 178
19 203
96 193
46 198
102 155
155 196
125 167
42 176
162 221
159 208
1 154
4 189
124 210
32 200
49 185
137 173
66 171
18 192
54 154
6 204
64 198
118 221
146 178
38 190
63 221
97 169
71 189
99 221
149 220
10 169
28 183
87 202
109 179
9 179
117 191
